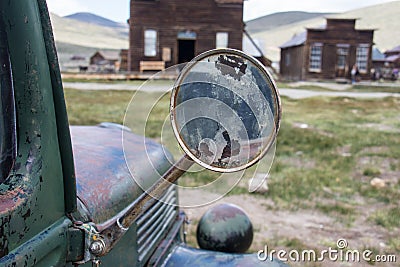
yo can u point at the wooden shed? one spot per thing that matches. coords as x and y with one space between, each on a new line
392 57
104 57
386 65
168 32
105 61
328 52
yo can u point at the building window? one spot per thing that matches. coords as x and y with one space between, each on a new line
287 59
150 43
342 53
315 57
362 57
222 39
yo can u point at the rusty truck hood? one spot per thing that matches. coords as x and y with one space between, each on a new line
105 184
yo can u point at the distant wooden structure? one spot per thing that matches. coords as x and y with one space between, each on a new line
175 31
104 57
105 61
386 65
328 53
392 57
124 60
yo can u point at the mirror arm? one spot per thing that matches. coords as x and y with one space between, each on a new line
114 229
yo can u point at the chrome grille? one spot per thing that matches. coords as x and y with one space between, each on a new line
152 225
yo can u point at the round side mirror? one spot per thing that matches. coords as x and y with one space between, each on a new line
225 110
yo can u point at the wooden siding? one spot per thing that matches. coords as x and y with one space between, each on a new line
291 63
330 39
124 60
339 33
96 59
169 17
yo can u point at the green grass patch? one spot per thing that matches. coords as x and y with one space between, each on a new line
335 208
388 195
203 177
371 171
394 244
343 212
308 165
388 218
93 107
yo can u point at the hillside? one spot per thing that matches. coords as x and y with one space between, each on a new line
79 33
272 21
383 18
78 38
74 36
95 19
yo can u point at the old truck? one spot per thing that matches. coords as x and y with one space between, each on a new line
67 196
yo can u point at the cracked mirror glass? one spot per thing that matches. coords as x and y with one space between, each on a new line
225 110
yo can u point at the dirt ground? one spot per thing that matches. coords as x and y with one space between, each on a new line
315 230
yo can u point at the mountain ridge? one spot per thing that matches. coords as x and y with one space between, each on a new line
383 18
92 18
274 20
84 35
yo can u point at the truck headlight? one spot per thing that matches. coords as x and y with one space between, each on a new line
226 228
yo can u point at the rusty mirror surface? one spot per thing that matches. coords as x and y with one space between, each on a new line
225 110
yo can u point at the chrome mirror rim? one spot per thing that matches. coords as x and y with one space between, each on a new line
274 92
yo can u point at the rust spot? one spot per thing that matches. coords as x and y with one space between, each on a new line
27 214
10 199
104 182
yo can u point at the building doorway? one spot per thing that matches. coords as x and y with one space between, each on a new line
342 68
186 50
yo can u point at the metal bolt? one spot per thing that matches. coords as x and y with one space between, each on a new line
97 247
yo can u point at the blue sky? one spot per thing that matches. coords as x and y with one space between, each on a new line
118 10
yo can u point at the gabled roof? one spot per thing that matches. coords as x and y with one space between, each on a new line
109 55
297 39
392 58
394 50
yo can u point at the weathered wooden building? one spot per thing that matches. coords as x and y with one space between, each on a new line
124 60
328 52
168 32
392 56
386 65
107 61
